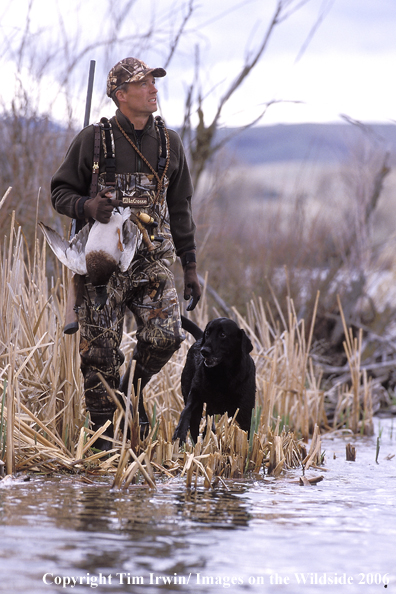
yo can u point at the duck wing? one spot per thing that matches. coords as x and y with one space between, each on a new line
71 254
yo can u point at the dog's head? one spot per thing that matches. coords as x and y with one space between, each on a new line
224 342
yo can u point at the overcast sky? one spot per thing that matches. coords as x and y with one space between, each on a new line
348 67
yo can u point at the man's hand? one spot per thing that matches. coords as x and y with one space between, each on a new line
101 207
192 288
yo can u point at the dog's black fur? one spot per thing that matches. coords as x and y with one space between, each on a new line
219 371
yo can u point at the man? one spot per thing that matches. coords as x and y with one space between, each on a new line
145 164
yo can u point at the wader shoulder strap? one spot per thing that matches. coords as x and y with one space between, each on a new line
164 145
95 166
104 132
109 151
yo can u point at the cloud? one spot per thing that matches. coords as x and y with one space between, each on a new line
346 67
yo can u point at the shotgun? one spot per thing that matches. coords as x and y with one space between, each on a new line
76 284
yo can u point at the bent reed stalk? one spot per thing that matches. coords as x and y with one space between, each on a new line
45 427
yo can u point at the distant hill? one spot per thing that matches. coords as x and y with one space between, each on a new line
306 142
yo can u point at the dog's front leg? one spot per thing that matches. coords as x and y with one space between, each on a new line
188 419
195 420
183 425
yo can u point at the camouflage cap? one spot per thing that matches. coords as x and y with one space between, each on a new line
129 70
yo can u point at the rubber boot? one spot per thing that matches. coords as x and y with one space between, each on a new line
98 419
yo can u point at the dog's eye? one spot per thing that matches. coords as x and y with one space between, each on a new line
223 335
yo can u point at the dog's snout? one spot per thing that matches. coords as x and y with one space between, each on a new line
205 352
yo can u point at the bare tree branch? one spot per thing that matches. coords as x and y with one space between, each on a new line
175 41
249 65
326 7
203 147
241 129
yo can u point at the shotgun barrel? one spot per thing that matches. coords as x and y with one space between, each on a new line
76 284
88 101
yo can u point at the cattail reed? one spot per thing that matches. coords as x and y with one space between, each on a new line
44 425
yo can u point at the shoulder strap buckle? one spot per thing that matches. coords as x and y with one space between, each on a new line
95 165
109 151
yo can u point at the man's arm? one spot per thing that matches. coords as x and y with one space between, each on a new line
182 223
179 196
72 180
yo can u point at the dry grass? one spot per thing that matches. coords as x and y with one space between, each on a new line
44 425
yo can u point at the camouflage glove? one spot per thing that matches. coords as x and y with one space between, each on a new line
100 207
192 288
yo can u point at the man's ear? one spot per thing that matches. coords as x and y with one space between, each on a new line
120 95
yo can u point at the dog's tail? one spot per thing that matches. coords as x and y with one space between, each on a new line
192 328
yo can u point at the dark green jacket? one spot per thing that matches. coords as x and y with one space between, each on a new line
73 178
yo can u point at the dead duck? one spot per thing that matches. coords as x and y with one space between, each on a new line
98 251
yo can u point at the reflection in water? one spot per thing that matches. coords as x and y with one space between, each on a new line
140 512
219 509
140 539
134 533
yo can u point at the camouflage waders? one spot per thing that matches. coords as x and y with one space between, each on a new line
147 289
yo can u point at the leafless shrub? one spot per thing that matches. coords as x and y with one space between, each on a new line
267 241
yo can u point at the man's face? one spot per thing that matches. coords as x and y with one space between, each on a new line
139 99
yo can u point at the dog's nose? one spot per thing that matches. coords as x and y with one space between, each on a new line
205 352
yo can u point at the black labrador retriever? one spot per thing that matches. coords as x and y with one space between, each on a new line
219 371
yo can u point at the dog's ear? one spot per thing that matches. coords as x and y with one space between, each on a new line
204 334
246 343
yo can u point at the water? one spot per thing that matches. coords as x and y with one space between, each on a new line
260 536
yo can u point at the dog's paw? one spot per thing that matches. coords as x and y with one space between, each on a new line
180 434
